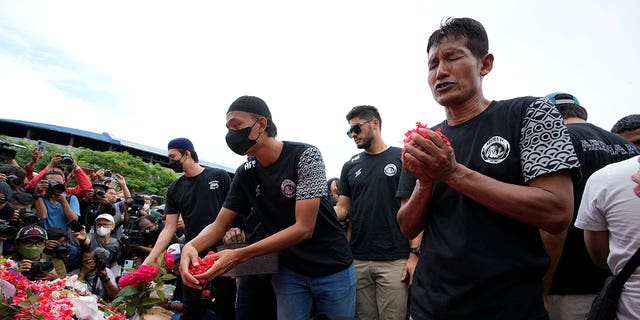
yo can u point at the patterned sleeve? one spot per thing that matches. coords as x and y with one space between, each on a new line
312 179
544 143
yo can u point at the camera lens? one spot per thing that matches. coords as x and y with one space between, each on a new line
14 180
7 231
56 188
28 217
66 159
61 251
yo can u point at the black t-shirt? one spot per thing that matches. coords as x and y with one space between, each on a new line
476 263
595 148
198 199
371 182
272 192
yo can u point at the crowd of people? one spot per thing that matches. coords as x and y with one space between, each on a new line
513 209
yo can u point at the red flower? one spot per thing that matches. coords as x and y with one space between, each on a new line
407 136
147 272
169 261
203 265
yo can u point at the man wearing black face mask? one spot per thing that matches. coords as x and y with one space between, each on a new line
197 196
285 185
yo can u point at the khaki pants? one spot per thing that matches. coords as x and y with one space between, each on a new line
379 292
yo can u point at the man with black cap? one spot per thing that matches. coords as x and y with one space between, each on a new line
285 184
197 196
576 280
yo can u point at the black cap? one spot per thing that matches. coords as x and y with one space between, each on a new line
252 105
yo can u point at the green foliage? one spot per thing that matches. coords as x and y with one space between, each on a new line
139 175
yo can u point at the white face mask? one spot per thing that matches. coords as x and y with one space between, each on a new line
146 206
103 231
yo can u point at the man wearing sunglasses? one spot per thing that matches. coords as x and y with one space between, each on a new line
368 183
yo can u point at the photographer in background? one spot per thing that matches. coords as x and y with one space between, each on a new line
94 203
147 207
94 272
54 206
24 214
6 209
32 262
58 246
101 238
13 176
57 163
8 228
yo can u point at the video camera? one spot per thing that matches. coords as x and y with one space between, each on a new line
133 236
6 153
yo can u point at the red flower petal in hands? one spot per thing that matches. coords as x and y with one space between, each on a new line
407 136
203 265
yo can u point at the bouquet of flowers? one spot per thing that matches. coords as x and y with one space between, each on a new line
65 298
136 287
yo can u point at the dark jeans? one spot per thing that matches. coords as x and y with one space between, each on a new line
256 299
224 291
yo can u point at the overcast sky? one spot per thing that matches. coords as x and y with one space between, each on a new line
150 71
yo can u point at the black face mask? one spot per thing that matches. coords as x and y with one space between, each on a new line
176 165
238 140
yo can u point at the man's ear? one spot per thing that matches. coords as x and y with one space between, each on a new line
486 64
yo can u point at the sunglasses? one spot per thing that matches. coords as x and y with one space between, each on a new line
3 200
357 128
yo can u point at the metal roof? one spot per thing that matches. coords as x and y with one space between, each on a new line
66 136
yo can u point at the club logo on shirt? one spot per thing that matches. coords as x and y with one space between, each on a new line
288 188
214 185
358 172
495 150
390 170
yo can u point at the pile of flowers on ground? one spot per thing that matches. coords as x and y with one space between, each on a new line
136 287
65 298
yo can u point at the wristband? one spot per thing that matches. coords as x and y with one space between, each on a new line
415 251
